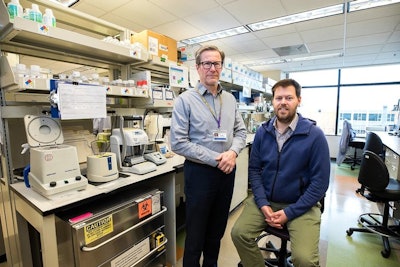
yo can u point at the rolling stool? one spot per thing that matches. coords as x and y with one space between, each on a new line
282 255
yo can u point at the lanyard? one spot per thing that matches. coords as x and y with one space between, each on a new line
211 110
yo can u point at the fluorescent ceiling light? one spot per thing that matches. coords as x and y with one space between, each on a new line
66 3
304 16
364 4
215 35
308 15
288 60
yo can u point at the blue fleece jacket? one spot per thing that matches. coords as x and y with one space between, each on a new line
298 175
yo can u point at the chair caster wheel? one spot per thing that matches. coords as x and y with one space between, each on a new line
349 232
385 253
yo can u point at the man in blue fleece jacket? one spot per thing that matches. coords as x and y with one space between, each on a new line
289 172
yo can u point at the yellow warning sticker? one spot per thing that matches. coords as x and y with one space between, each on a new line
98 229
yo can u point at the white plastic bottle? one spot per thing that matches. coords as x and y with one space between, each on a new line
35 14
26 13
14 9
48 18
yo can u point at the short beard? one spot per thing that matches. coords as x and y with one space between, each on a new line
287 119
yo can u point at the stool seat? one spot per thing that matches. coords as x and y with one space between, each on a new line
281 233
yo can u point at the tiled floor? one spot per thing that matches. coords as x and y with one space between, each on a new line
343 207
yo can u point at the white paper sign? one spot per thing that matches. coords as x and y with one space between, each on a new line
246 91
81 101
178 76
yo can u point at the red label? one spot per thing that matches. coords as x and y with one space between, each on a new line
144 208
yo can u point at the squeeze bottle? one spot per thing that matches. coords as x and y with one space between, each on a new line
14 9
48 18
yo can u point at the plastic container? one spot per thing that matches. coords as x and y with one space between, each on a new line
35 71
26 13
35 14
48 18
14 9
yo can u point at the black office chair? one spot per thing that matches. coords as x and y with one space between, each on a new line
347 139
377 187
373 143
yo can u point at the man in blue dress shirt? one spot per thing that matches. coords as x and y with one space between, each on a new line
208 130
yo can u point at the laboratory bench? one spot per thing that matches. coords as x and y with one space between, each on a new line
392 161
39 212
392 153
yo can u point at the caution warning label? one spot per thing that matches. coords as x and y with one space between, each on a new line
98 229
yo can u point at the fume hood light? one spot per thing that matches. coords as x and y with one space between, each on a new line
365 4
288 60
304 16
66 3
215 35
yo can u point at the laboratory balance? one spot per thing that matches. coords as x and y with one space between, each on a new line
54 166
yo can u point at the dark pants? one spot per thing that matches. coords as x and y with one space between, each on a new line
208 197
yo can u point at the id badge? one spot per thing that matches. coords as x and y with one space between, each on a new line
220 136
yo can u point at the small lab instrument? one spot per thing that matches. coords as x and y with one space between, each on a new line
129 145
54 166
156 125
102 168
102 165
155 157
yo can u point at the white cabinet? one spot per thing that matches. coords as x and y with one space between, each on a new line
240 190
392 161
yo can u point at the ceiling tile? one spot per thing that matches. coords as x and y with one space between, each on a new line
283 40
181 8
322 34
178 30
258 10
144 13
213 20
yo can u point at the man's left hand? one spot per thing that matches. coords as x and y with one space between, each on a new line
226 161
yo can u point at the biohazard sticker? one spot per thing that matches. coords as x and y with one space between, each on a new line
145 208
98 229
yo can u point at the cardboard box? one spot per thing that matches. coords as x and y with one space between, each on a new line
157 44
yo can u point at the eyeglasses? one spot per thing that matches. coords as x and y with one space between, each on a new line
207 64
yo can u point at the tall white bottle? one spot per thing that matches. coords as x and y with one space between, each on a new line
48 18
35 14
14 9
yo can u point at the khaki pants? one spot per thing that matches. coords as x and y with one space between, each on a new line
304 235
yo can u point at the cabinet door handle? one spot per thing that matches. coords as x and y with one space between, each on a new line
88 249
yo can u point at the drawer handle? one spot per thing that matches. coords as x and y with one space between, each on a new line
88 249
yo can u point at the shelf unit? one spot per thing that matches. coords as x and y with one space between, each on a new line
30 38
78 39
